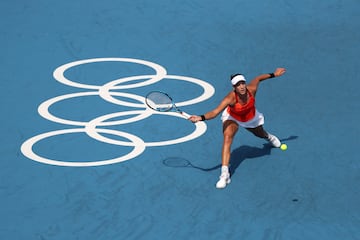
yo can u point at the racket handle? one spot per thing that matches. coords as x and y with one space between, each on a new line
185 115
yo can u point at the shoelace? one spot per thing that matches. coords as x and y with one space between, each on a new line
224 176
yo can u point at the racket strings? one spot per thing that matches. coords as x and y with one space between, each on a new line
159 101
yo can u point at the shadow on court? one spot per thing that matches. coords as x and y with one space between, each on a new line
289 138
179 162
237 157
244 152
248 152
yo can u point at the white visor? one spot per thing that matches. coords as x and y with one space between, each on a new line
237 79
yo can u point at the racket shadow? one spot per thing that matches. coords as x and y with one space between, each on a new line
179 162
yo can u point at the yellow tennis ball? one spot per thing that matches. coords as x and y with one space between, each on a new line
283 147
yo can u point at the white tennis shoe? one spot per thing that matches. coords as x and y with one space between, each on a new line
274 140
224 179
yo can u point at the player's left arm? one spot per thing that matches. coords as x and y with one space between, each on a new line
254 84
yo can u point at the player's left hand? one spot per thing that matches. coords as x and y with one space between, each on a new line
194 118
279 71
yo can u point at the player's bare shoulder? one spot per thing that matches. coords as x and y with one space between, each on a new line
252 88
230 98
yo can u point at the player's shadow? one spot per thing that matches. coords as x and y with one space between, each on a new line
289 138
244 152
237 157
248 152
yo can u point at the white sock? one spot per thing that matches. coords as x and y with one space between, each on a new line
225 169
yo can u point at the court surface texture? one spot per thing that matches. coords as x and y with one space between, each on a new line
83 158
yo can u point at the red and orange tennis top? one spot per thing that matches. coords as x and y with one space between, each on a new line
243 113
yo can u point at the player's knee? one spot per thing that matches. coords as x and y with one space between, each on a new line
228 138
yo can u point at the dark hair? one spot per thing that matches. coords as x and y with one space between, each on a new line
234 75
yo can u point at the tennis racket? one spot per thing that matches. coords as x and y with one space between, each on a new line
162 102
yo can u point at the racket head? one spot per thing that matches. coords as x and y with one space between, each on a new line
176 162
159 101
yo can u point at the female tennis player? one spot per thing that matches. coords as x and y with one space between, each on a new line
238 109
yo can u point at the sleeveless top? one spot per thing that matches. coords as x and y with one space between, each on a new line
243 113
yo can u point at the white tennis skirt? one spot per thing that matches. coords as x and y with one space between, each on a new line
257 120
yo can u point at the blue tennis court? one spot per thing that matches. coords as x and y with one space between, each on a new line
83 158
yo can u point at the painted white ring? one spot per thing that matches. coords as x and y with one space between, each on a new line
58 73
26 148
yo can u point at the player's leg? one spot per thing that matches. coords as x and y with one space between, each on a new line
261 133
258 131
229 130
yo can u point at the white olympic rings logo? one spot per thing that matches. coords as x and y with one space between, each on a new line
107 93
